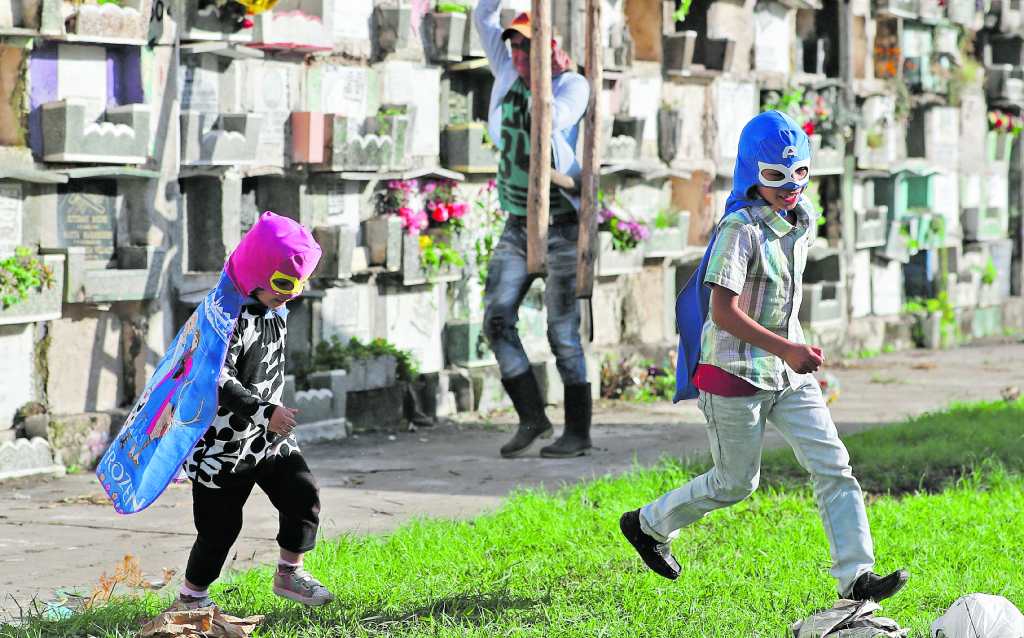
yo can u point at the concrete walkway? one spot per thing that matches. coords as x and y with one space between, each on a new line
62 533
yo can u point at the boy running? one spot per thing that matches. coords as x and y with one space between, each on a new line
754 366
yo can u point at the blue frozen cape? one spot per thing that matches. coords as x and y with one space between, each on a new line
770 138
176 407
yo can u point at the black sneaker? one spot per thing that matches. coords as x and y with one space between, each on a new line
871 586
657 556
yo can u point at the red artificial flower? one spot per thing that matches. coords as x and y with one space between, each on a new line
809 127
440 214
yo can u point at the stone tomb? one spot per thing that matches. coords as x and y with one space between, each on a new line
212 220
425 131
214 128
12 216
351 28
973 127
20 15
773 38
87 218
28 213
272 90
412 318
880 140
87 104
24 457
934 134
125 20
348 312
296 25
17 384
92 223
202 20
736 102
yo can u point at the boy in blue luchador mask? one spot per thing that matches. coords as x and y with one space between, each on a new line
742 353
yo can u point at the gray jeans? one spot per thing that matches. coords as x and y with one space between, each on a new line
507 283
736 432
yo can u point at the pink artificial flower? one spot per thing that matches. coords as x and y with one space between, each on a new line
491 184
429 187
458 209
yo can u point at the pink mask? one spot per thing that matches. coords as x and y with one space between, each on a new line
274 246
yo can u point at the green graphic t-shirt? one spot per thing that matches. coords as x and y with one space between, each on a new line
514 165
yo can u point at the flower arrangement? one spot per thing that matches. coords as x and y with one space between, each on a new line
432 208
626 233
430 204
434 254
1005 123
442 202
809 110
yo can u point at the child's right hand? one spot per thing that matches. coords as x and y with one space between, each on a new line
803 358
282 421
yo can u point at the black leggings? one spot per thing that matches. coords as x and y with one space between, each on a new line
289 484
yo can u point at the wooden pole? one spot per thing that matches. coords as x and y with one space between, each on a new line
540 139
591 176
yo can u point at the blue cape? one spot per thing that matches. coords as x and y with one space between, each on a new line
773 138
176 407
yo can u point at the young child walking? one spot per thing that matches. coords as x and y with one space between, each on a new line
250 442
754 365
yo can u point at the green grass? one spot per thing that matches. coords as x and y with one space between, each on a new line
555 565
925 453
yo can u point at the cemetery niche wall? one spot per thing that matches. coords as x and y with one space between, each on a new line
130 167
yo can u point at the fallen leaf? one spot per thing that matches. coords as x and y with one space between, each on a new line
208 622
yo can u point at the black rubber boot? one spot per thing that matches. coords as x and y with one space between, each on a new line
575 439
533 423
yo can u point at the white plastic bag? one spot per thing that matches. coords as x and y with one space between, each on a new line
980 616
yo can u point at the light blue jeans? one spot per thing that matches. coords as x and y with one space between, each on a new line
507 283
736 433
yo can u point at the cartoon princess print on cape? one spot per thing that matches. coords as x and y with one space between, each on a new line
163 393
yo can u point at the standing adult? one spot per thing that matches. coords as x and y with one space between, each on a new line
508 52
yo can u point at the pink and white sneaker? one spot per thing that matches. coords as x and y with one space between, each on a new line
297 584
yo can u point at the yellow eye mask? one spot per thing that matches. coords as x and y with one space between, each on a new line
286 284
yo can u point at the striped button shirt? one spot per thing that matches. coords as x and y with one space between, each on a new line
761 257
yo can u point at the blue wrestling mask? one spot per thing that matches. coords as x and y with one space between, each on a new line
773 151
